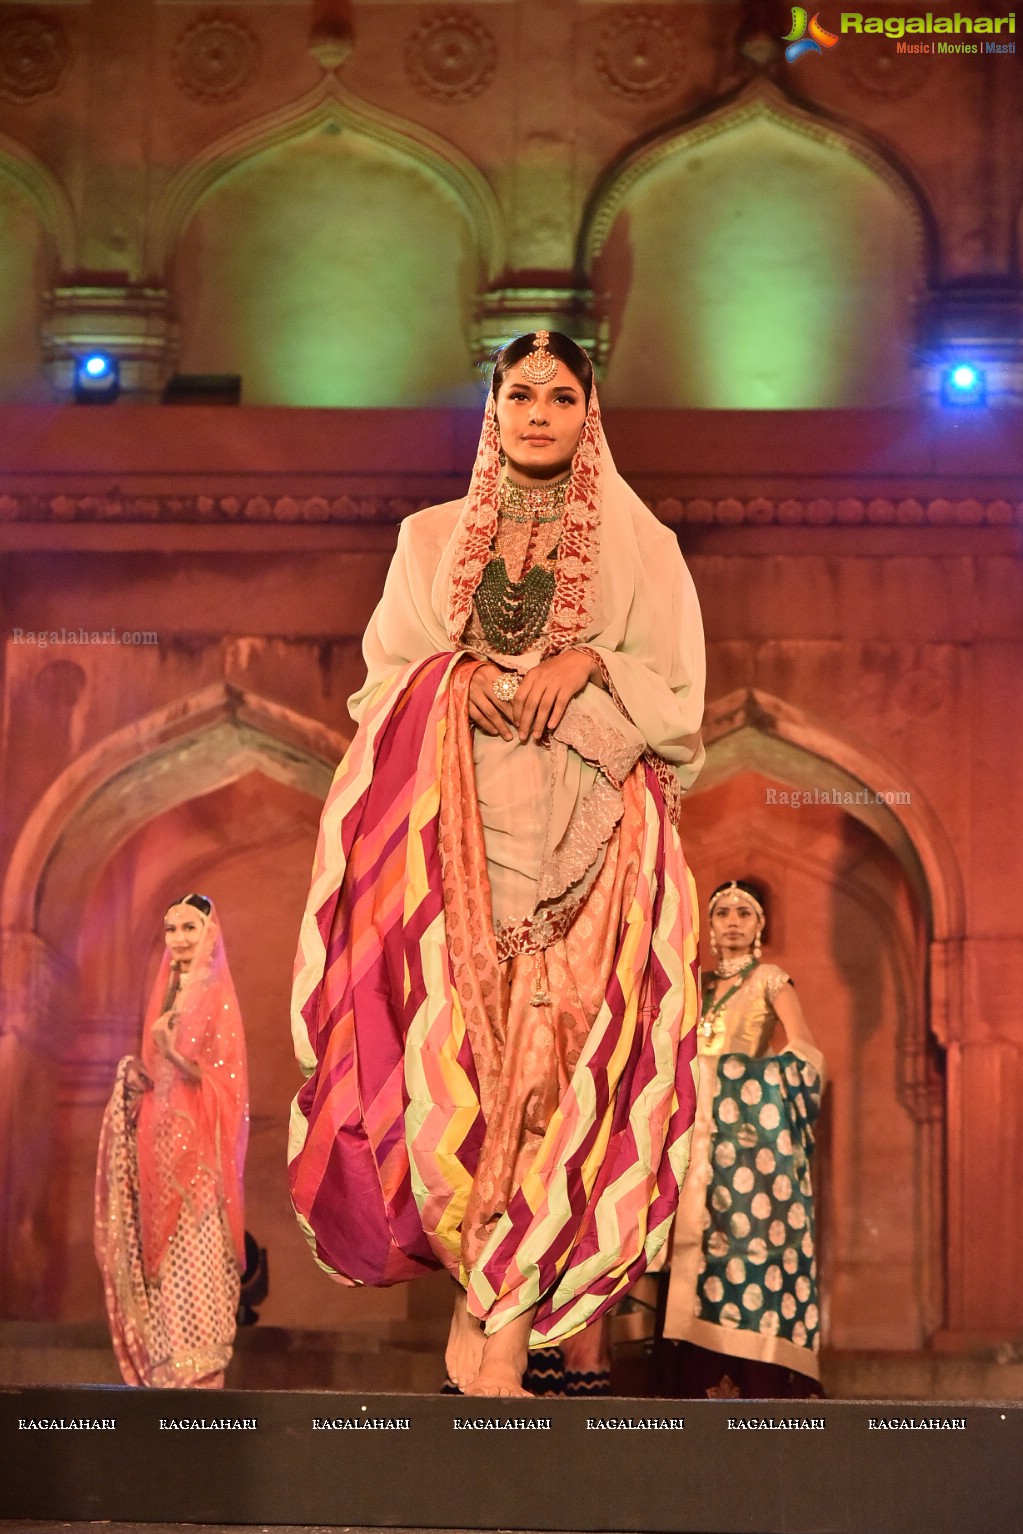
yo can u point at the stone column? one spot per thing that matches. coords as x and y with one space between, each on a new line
976 321
985 1152
508 311
131 323
35 1014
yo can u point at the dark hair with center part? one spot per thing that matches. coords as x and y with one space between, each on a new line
199 901
559 345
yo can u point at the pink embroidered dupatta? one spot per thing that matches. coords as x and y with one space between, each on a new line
211 1116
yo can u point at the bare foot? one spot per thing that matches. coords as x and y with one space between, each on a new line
505 1356
464 1352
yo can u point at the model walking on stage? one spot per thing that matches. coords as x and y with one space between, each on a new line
742 1316
169 1229
495 996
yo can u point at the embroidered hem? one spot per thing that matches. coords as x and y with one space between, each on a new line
588 833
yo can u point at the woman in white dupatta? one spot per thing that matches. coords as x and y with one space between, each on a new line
573 719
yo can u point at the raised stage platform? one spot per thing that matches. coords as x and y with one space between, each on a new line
404 1358
442 1462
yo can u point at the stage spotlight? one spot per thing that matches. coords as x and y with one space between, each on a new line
97 379
963 384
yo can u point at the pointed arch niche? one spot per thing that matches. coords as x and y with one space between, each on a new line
24 273
331 261
37 242
853 891
220 792
757 259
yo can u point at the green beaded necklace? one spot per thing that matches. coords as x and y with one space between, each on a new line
513 614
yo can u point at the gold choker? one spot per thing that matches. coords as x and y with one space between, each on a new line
544 502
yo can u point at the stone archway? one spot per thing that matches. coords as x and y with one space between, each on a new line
279 283
745 240
173 755
36 236
869 906
48 198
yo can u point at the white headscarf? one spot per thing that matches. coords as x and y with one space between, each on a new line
621 588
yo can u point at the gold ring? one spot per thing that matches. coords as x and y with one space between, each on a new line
506 685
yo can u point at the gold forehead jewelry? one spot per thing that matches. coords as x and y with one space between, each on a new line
539 367
731 891
506 685
191 911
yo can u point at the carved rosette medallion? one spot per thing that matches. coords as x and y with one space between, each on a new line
215 60
639 56
34 54
452 57
873 66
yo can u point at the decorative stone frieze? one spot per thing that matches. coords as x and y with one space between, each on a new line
385 510
216 59
451 57
34 55
639 56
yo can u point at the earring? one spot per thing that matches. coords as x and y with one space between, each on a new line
756 946
502 460
713 944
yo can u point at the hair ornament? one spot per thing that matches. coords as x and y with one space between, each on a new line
735 892
540 366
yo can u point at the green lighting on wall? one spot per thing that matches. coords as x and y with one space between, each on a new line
763 270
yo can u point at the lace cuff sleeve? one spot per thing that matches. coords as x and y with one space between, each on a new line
593 727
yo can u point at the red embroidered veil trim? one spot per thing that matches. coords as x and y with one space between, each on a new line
577 564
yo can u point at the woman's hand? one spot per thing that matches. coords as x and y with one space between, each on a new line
136 1077
136 1084
547 690
490 714
162 1033
163 1041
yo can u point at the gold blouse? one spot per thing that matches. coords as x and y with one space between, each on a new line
744 1025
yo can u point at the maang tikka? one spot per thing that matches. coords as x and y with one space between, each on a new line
539 366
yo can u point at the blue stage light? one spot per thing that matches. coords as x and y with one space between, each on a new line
963 384
97 378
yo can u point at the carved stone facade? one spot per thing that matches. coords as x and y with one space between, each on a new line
349 206
34 56
573 149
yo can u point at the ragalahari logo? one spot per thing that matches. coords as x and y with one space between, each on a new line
806 37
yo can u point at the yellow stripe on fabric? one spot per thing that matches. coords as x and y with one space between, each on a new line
437 1028
439 1180
353 776
310 1235
426 797
298 1129
545 1182
440 1183
620 1211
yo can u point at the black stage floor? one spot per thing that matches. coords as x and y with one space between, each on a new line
279 1460
35 1526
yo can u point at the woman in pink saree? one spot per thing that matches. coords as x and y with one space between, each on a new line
495 992
169 1218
